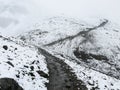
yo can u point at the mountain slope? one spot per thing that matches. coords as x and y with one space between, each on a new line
82 46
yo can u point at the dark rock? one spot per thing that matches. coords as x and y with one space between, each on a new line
5 47
41 73
84 56
46 84
92 84
18 76
33 62
9 84
111 84
26 66
10 59
31 74
32 68
15 48
10 63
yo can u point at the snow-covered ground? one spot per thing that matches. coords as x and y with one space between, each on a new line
22 64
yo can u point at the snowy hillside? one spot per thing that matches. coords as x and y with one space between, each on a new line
93 51
53 29
23 64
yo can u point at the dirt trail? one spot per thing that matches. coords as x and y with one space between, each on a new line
60 75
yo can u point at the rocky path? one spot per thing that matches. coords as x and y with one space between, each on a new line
60 75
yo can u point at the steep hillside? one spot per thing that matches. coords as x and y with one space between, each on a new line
23 65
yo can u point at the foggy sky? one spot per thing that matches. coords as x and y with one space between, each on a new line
22 14
81 8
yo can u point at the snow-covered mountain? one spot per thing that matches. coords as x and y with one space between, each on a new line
91 50
59 53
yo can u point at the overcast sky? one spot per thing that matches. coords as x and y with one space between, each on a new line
17 15
81 8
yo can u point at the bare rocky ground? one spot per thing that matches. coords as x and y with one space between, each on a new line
61 76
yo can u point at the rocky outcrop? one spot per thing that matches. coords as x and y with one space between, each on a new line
9 84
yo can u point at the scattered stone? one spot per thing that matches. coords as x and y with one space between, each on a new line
25 66
41 73
32 68
10 59
18 76
10 63
111 84
5 47
31 74
15 48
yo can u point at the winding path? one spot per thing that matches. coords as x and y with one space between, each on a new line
60 75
